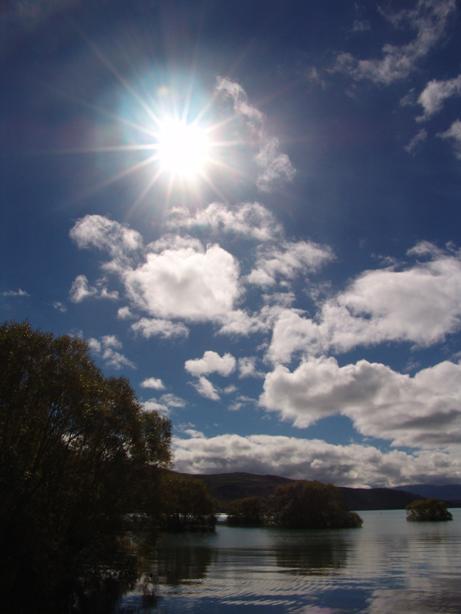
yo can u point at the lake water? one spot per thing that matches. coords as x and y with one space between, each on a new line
389 565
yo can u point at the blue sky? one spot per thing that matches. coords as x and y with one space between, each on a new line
250 210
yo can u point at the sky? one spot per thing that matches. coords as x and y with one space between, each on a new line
251 211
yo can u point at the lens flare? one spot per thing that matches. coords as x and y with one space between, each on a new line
183 150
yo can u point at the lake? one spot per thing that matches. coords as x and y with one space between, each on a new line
389 565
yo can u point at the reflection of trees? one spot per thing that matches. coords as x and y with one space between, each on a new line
311 553
178 563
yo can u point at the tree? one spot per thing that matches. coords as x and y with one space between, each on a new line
187 504
76 454
248 511
310 505
422 510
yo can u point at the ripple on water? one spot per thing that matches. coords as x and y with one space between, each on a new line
388 566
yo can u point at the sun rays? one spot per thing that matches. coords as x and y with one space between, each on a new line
179 142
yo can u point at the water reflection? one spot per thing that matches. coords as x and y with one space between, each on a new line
388 566
174 566
311 553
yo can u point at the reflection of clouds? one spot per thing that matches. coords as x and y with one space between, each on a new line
387 566
432 594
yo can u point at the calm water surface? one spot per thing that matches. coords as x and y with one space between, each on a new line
390 565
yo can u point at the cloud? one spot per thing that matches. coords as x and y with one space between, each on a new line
250 220
153 405
247 367
59 306
173 400
420 304
435 94
188 283
81 290
429 19
173 278
292 333
15 293
154 383
416 141
165 404
275 166
157 327
454 133
124 313
287 260
361 25
107 348
206 389
420 410
312 459
211 362
97 231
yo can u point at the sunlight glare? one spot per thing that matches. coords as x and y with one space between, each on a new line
183 149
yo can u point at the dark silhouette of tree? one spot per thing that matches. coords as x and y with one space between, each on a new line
309 505
423 510
248 511
187 504
77 453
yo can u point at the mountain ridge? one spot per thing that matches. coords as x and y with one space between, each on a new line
227 487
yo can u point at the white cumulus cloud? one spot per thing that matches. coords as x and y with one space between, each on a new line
108 235
186 283
154 383
312 459
287 260
206 389
211 362
420 304
419 410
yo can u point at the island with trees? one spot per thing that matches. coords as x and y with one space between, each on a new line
428 510
298 505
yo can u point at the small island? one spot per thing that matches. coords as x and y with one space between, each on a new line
301 505
428 510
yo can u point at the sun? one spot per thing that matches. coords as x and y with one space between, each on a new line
183 149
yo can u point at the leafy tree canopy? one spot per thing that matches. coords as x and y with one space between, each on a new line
77 453
310 505
423 510
187 504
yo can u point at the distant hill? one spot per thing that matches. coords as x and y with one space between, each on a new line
447 492
226 487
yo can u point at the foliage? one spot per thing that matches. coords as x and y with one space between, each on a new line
187 505
428 510
76 455
310 505
248 511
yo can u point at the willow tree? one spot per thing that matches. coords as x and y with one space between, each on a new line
77 453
